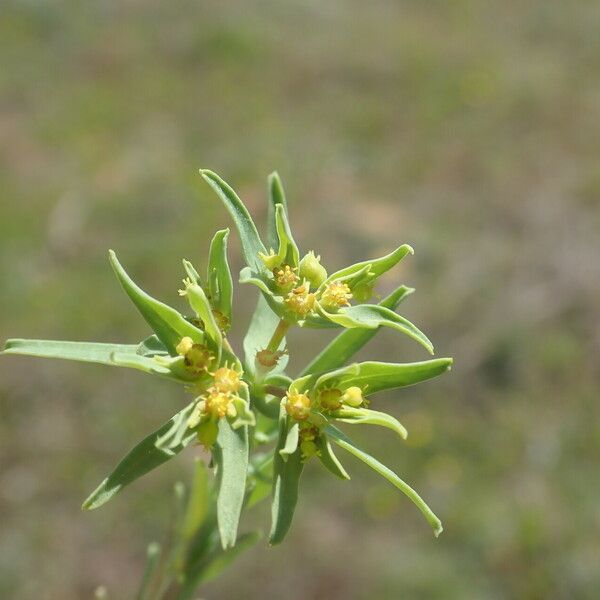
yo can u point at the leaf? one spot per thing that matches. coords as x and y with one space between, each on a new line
198 505
372 316
201 306
140 460
167 367
286 477
365 416
350 341
220 283
329 459
344 442
288 250
166 322
378 266
251 244
151 346
291 442
79 351
230 454
374 376
276 196
171 440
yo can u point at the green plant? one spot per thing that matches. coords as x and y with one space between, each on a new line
259 425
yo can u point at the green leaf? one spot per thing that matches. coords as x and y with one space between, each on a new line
276 196
251 244
166 322
220 283
329 459
171 368
344 442
142 459
378 266
374 376
350 341
151 346
365 416
291 442
198 505
79 351
286 477
201 306
288 250
231 459
372 316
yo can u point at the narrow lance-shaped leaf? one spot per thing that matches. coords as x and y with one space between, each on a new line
375 376
366 416
342 348
372 316
288 250
344 442
231 459
329 459
220 284
378 266
142 459
166 322
286 477
79 351
201 306
251 244
276 196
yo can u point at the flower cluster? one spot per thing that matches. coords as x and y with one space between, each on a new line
258 423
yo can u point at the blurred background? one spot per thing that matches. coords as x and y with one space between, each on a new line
467 129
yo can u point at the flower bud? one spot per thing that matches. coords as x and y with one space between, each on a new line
312 270
353 397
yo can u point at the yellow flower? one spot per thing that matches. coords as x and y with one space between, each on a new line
226 380
300 301
298 406
218 404
197 357
285 278
336 295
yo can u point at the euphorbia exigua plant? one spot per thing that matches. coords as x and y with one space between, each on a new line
259 426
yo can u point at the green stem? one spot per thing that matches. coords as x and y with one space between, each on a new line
278 335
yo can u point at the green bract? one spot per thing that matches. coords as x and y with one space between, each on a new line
259 426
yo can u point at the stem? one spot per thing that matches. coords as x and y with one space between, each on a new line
278 335
274 390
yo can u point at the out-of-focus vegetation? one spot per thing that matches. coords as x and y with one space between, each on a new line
467 129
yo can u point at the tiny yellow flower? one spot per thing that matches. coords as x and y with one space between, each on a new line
217 404
285 278
300 301
353 396
227 380
298 406
330 399
198 359
336 295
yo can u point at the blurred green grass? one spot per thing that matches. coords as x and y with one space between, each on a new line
467 129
